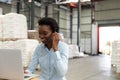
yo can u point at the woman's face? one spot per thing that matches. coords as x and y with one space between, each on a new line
45 33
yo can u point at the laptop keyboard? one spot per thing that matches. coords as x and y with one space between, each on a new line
26 76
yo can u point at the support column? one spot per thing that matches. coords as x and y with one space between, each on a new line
46 10
46 3
31 15
18 6
71 24
78 28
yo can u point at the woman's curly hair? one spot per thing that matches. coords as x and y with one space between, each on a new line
50 22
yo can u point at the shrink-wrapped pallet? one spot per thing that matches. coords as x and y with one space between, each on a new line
115 57
118 59
33 34
74 51
0 44
8 45
88 45
71 51
114 53
14 26
27 47
118 68
1 17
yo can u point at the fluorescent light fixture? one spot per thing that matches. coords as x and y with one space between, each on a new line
29 0
84 0
69 1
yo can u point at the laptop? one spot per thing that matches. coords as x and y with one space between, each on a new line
11 67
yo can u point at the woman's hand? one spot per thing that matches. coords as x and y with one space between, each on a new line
26 72
56 39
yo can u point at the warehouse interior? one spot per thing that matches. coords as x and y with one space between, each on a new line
90 27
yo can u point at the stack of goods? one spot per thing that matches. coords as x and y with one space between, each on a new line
27 47
33 34
74 52
114 53
115 57
0 44
8 44
118 58
1 17
13 35
14 26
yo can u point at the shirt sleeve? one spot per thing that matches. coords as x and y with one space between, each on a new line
34 62
61 60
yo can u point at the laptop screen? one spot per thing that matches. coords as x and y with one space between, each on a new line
11 67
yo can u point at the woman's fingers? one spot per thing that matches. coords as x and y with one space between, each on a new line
26 72
55 41
56 36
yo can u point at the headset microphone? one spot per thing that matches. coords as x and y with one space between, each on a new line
49 39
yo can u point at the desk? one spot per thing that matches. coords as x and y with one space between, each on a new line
30 79
35 78
37 72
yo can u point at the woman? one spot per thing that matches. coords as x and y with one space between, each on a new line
51 54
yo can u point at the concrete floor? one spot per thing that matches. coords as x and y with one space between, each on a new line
91 68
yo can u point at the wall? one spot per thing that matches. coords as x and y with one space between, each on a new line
75 22
6 8
107 12
1 10
94 38
85 28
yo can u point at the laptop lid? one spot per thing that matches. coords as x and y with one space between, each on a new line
11 67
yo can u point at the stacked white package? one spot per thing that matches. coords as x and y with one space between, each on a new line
118 69
1 17
118 66
87 45
27 47
118 58
14 26
70 51
115 57
8 45
74 51
114 53
0 44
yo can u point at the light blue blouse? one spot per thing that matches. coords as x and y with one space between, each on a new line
53 65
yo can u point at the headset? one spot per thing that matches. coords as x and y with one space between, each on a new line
51 38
